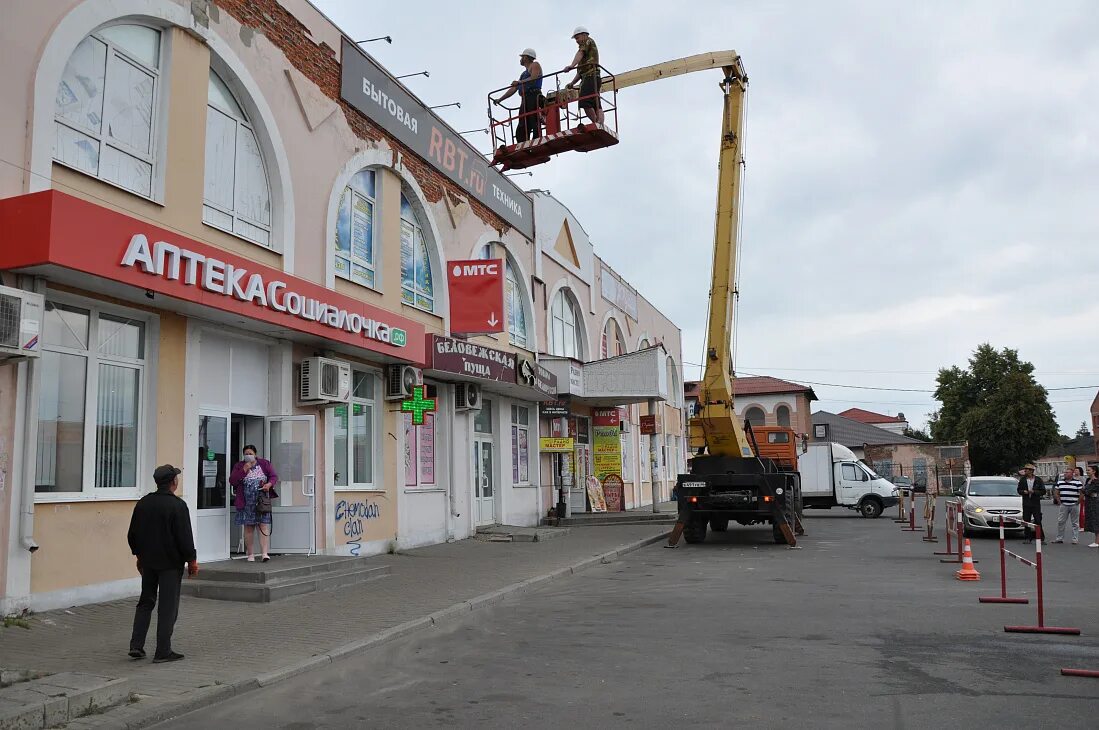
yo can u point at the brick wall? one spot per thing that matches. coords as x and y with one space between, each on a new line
320 64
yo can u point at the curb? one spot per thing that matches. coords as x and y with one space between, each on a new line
213 695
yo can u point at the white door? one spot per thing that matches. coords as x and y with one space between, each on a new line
212 514
578 496
484 481
850 483
291 442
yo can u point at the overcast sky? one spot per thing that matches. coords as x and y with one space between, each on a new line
921 177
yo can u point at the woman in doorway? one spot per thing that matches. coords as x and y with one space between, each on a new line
251 477
1091 504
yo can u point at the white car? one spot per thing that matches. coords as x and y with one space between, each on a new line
984 499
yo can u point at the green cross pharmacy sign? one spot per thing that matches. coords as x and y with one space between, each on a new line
418 405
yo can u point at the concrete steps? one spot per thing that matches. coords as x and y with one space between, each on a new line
511 533
281 578
616 518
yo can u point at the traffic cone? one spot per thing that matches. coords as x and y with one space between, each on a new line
968 572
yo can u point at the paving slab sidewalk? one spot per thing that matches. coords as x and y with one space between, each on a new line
234 647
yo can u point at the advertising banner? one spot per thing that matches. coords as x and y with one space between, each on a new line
476 296
607 443
556 444
368 88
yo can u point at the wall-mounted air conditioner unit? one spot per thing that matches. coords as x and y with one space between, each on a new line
21 315
324 381
467 397
400 380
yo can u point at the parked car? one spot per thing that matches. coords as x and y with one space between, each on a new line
984 499
906 484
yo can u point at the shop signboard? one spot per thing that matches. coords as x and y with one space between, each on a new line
614 490
449 355
555 409
649 425
534 375
607 442
57 229
618 292
556 445
476 296
368 88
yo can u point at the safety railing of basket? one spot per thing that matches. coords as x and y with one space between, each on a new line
561 108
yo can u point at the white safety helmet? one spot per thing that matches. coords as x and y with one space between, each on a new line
579 29
529 52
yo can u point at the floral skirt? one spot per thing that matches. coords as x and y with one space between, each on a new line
248 515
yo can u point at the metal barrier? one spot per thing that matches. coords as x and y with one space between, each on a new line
911 527
959 535
929 517
1003 597
1041 628
901 494
951 508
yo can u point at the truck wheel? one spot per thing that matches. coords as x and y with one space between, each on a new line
719 524
695 531
870 508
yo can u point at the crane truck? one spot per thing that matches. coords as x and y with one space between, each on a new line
730 480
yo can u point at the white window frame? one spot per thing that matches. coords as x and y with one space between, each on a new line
236 174
516 427
376 427
153 157
146 408
561 325
419 241
371 266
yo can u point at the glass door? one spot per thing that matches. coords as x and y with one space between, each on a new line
483 482
212 515
291 442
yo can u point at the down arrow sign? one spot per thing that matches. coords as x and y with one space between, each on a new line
492 322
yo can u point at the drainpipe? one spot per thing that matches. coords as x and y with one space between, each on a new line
28 390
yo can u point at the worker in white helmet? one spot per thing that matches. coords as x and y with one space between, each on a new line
529 88
586 63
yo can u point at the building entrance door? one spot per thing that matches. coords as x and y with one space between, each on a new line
484 481
291 445
212 515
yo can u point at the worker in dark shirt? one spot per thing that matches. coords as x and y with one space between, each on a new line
586 63
160 537
1031 489
529 88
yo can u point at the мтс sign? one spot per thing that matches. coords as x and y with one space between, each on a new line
476 296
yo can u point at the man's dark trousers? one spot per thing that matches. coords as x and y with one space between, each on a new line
167 583
1032 512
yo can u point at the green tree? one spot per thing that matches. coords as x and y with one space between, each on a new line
1083 430
998 407
919 434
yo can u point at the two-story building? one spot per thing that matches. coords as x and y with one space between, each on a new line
235 227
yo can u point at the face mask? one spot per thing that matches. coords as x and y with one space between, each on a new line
249 457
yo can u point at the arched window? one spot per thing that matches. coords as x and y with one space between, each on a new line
782 413
236 196
755 416
643 344
105 111
417 284
355 229
513 298
565 331
612 342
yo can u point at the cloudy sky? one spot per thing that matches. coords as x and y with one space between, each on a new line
921 177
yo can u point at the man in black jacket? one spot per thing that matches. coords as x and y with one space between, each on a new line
160 537
1032 489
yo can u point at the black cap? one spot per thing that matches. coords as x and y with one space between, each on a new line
164 474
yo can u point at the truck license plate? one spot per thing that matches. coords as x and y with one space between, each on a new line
694 485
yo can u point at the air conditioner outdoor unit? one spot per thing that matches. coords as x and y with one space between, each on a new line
21 315
467 397
324 380
400 380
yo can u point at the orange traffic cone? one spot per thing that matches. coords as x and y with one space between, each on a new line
968 572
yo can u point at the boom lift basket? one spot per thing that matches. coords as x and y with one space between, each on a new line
562 124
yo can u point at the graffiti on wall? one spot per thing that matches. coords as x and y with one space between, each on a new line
350 519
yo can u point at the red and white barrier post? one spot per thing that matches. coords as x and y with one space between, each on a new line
929 517
1041 628
1003 597
911 527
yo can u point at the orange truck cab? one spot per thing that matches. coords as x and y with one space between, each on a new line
778 443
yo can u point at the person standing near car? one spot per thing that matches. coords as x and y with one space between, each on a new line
1091 505
1031 489
1066 495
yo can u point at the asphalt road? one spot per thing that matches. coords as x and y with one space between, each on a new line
861 627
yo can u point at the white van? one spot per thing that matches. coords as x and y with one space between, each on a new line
832 475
